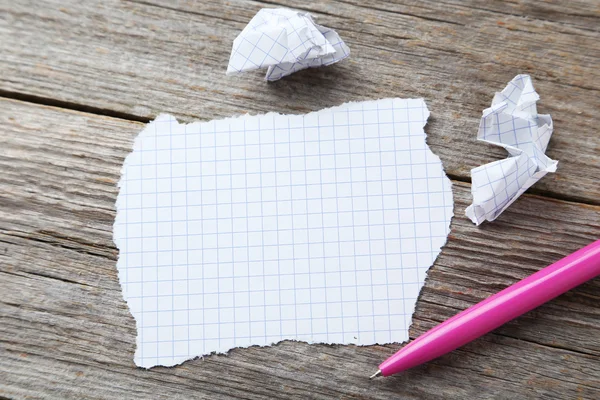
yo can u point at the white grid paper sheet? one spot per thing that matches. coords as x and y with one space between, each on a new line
285 41
252 230
511 122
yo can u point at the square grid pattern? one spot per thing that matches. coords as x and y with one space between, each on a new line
513 123
252 230
285 41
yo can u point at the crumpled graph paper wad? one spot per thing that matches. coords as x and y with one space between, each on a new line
511 122
284 41
256 229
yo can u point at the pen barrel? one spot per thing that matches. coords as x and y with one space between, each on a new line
498 309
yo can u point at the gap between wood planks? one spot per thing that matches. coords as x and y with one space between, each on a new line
27 98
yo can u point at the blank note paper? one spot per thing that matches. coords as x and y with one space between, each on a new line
252 230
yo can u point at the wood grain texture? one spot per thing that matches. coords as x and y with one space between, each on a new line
135 59
65 331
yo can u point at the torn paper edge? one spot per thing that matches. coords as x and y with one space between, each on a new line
119 216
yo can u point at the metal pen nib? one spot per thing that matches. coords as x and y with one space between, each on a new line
375 375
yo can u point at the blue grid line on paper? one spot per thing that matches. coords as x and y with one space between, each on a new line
368 224
386 314
262 227
398 209
307 223
396 177
303 258
412 188
338 236
217 267
232 249
142 248
431 245
172 245
292 229
247 245
375 285
203 147
358 330
329 265
278 255
383 207
187 258
275 230
275 186
382 314
323 222
202 261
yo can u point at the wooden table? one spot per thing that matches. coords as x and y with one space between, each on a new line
79 79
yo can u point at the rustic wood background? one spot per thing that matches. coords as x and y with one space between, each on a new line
79 79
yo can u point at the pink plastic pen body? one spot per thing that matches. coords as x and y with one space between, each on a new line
498 309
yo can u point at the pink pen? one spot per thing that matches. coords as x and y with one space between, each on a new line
498 309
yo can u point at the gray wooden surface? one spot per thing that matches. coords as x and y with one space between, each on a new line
77 81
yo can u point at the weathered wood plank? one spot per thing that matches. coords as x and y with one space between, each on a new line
138 58
65 330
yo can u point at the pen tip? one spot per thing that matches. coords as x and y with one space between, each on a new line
375 375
